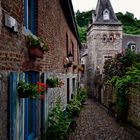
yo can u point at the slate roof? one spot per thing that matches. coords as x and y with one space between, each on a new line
127 38
68 11
101 6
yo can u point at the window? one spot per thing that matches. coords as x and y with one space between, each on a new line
132 46
111 38
72 47
106 58
67 45
106 15
73 85
29 15
104 38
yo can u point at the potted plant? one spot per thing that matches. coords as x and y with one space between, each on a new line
73 107
36 47
28 90
53 82
82 95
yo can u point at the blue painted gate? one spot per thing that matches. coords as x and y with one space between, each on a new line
26 117
30 108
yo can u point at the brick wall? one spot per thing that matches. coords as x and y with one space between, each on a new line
51 25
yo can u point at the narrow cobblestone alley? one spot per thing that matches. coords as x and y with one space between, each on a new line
95 124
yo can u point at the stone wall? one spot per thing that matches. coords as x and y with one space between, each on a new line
134 103
134 109
54 93
3 105
98 48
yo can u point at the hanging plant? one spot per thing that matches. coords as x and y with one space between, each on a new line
28 90
54 82
36 47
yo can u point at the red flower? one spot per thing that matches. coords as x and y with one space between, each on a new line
41 87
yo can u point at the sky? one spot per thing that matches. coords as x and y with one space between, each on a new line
131 6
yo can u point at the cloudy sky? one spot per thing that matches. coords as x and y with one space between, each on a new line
131 6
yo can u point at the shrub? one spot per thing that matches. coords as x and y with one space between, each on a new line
82 95
58 123
73 107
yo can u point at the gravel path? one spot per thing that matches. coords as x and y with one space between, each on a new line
95 124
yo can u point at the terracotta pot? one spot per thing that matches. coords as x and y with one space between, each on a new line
36 52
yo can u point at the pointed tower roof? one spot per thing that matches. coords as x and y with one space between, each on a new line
102 7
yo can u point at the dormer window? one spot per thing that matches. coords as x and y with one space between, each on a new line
106 15
132 46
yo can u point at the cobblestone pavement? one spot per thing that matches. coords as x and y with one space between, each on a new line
95 124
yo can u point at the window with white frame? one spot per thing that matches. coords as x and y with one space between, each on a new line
106 15
29 15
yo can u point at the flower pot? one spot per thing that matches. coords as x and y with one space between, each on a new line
36 52
22 94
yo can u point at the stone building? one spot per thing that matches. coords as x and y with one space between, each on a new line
53 22
104 39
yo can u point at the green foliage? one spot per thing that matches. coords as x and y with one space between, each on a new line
82 95
82 33
129 58
53 82
27 90
32 41
46 48
83 18
130 24
123 72
73 107
58 123
36 42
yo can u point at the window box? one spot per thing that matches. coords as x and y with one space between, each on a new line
36 47
36 52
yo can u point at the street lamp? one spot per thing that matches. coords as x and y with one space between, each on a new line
70 60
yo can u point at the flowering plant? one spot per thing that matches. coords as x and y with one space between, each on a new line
33 91
54 82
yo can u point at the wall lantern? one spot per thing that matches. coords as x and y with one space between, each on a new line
70 60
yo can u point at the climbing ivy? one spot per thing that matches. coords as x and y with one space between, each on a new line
123 72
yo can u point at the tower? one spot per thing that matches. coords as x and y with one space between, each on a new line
104 37
104 40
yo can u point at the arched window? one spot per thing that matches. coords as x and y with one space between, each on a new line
106 15
104 38
111 39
